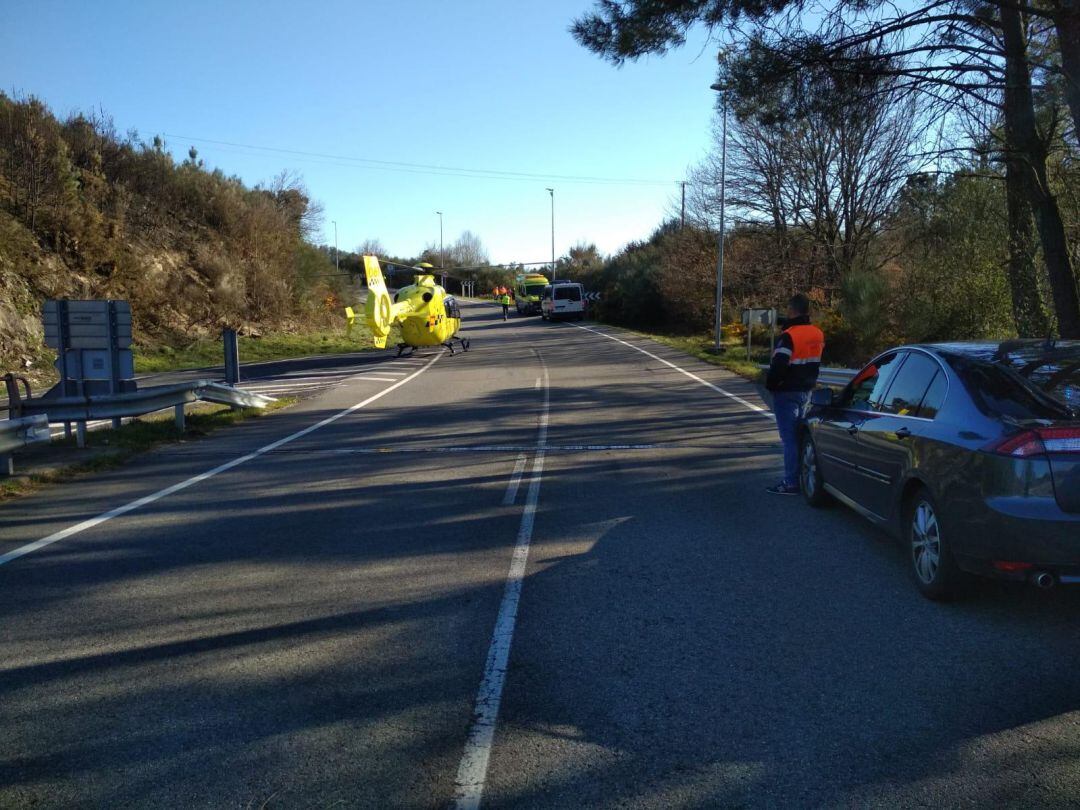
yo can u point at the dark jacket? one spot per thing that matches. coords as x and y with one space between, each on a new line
796 359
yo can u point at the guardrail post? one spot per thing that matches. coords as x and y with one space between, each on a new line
80 434
67 430
232 356
178 410
116 422
7 465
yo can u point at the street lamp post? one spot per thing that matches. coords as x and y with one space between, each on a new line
442 254
717 346
337 263
551 191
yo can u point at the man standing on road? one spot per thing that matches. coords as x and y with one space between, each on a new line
792 375
504 299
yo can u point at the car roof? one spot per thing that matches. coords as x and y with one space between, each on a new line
1019 350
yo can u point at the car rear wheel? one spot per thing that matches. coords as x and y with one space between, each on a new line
936 572
810 481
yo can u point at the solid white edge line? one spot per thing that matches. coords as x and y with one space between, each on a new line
472 772
764 412
70 531
515 481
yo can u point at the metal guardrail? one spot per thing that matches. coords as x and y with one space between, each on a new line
136 403
832 377
16 434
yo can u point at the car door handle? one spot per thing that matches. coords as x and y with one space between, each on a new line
903 433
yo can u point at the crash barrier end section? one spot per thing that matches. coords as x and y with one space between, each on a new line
18 433
116 407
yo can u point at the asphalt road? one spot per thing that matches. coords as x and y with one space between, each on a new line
303 611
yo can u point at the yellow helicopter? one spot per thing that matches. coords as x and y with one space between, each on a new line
427 314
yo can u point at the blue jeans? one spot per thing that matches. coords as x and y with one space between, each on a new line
789 407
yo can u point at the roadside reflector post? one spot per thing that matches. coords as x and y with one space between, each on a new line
179 412
80 434
7 465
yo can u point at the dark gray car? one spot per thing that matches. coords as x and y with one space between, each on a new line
969 452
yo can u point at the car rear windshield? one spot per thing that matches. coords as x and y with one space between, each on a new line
568 293
1043 387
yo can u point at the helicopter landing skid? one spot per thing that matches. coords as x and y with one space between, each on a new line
465 343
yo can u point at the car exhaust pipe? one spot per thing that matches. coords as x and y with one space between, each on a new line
1044 580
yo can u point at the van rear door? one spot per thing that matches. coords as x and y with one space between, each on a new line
568 298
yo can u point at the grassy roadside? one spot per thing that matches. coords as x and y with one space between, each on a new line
700 346
209 352
112 448
252 349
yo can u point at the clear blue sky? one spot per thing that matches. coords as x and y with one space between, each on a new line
476 84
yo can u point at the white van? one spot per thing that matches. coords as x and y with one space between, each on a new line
562 299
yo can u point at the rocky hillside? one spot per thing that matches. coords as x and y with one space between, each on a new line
87 213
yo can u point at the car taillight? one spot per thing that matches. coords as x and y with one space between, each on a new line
1061 440
1039 442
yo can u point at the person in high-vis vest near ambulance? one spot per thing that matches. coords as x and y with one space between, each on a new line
792 375
504 299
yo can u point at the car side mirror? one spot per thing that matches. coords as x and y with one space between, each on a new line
822 397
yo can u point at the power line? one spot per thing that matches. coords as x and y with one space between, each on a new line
425 168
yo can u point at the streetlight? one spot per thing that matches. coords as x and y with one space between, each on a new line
722 89
442 255
551 191
337 264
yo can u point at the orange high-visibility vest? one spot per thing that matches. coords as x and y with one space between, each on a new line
807 344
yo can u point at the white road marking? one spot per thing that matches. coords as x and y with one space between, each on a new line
496 448
104 517
292 387
472 772
756 408
515 481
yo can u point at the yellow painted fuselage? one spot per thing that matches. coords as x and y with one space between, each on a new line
428 323
426 314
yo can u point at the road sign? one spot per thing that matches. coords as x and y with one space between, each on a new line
759 317
93 346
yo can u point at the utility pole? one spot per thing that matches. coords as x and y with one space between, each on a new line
551 191
718 347
337 263
682 207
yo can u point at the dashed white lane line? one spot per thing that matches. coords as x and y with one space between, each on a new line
764 412
515 481
472 772
104 517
